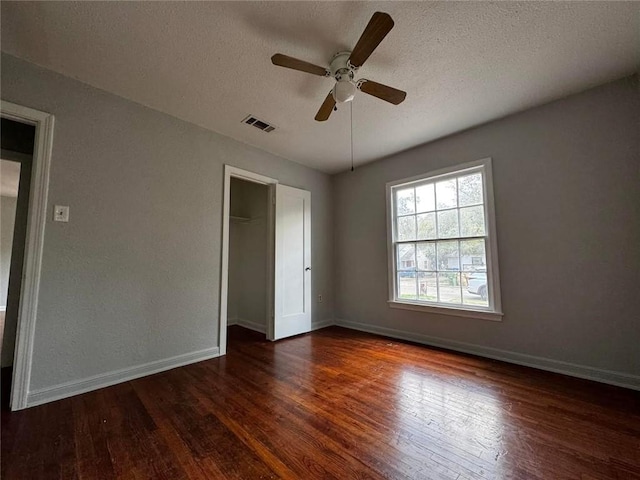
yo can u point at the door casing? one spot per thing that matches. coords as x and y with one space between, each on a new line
36 220
229 172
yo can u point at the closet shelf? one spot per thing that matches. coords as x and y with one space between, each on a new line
237 219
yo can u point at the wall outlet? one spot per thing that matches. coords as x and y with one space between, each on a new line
60 213
319 298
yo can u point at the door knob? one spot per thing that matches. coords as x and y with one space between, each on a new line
307 269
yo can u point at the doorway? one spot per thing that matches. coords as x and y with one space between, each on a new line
27 138
17 146
279 303
248 256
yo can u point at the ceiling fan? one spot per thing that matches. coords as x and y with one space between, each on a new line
344 65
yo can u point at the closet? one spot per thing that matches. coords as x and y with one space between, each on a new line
247 294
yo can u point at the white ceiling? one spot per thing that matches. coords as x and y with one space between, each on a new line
461 63
9 178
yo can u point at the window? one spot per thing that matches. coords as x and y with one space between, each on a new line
442 246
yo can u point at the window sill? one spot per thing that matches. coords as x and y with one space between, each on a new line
456 312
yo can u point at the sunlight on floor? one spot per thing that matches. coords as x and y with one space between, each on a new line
453 416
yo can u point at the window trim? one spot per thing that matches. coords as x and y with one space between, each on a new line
493 269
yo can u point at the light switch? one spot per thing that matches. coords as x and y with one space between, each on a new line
60 213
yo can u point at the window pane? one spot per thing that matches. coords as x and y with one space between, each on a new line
427 286
448 224
407 286
446 194
449 287
472 221
470 189
426 226
441 242
425 200
473 256
406 228
448 256
406 257
426 253
405 201
475 289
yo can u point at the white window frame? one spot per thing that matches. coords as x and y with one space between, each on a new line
494 310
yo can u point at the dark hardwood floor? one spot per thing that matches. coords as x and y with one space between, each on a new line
332 404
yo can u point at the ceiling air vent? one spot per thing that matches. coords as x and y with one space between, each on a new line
260 124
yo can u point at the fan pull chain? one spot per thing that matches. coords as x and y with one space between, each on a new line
351 117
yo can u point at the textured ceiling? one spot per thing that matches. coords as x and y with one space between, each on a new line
461 63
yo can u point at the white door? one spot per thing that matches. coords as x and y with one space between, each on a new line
292 292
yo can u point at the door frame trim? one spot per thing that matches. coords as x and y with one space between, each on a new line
34 243
229 172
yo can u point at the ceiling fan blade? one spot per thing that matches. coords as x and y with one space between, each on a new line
290 62
326 108
383 92
377 28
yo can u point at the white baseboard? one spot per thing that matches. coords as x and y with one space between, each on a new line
232 321
69 389
322 324
256 327
599 375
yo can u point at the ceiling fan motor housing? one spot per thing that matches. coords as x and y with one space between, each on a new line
344 89
341 67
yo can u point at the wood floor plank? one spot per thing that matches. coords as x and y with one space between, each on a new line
302 417
345 421
160 407
335 403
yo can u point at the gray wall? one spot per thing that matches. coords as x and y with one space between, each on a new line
248 254
567 192
134 276
17 254
7 218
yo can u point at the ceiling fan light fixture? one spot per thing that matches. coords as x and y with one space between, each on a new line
344 91
344 65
